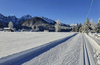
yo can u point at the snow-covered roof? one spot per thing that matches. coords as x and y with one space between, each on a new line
9 28
6 28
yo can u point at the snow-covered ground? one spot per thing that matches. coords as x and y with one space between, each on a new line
48 48
11 43
95 48
66 53
95 37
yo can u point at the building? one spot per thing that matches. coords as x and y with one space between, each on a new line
9 29
46 30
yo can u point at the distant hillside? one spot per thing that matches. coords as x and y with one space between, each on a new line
34 21
37 21
48 20
28 21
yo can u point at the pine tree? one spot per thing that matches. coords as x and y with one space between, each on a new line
80 25
80 29
92 25
97 29
77 28
87 26
73 29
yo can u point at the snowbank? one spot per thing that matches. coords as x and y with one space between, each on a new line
96 48
96 35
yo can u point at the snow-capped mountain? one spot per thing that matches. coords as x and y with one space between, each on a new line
48 20
1 17
25 17
10 18
14 19
7 19
28 21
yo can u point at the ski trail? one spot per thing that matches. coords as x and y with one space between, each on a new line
66 53
85 52
85 55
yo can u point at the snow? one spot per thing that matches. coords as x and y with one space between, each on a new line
48 48
11 43
96 49
99 20
66 53
86 52
95 37
26 17
73 25
14 19
48 20
23 18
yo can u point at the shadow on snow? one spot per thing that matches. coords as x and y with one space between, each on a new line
24 56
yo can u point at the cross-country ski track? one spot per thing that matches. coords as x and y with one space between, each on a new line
75 49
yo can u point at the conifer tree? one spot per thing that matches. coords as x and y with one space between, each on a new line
87 26
77 28
73 29
97 29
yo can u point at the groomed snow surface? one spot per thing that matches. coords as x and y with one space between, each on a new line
48 48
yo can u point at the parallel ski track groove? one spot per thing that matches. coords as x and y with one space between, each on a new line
86 59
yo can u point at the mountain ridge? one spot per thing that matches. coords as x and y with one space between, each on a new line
27 21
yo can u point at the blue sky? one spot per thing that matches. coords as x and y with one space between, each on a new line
68 11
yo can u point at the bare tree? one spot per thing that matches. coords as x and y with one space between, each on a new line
10 25
57 26
32 27
37 29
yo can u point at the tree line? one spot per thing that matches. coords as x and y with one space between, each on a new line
88 26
